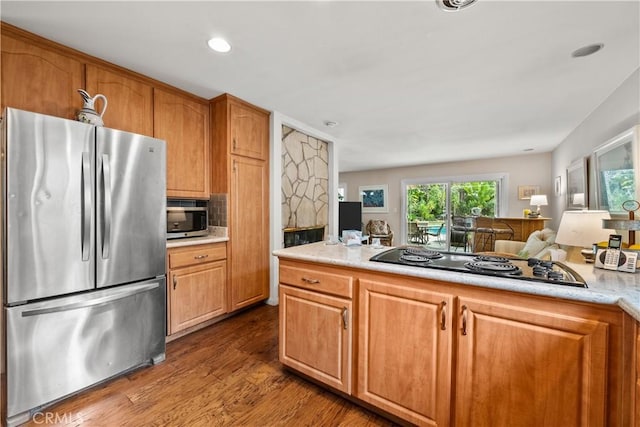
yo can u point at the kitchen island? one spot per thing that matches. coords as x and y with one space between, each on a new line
433 347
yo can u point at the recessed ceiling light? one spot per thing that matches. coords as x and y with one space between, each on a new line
454 5
330 124
587 50
219 45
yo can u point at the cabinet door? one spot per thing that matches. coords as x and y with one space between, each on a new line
249 132
52 82
248 231
315 336
184 124
196 294
637 402
130 101
524 367
404 351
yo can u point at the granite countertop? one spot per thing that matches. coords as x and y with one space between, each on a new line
604 287
216 235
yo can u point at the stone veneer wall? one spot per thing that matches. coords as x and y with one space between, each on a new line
305 180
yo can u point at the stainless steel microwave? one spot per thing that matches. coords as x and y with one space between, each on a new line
187 222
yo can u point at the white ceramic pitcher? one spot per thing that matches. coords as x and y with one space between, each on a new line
88 114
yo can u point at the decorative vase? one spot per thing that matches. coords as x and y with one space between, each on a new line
88 114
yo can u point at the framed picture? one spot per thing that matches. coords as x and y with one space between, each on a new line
374 198
617 171
526 191
577 190
557 186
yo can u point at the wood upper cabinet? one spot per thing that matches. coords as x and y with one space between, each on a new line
130 101
526 367
197 284
405 350
39 79
184 124
249 131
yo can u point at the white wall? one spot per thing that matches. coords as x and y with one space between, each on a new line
619 112
529 169
275 201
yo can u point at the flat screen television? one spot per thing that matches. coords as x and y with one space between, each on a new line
349 216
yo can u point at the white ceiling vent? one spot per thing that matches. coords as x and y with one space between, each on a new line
454 5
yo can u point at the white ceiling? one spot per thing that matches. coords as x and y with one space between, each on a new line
408 83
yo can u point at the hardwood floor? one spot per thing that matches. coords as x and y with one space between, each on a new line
225 375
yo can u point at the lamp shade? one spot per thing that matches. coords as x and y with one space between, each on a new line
583 228
538 200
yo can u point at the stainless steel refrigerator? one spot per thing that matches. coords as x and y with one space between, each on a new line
83 256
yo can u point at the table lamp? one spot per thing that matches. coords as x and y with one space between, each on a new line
583 229
538 200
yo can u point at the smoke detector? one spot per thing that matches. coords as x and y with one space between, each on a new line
454 5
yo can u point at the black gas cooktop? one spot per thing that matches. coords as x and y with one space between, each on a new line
532 269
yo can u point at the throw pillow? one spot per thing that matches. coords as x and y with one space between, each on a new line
537 241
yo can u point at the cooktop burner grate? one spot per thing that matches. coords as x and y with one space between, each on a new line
414 258
425 253
491 258
493 267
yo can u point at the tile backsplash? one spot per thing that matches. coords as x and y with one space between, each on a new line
218 210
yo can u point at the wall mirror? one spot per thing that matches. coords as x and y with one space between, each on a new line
577 191
617 168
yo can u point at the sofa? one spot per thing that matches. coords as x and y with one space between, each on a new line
538 245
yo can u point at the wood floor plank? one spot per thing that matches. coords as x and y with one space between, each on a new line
227 374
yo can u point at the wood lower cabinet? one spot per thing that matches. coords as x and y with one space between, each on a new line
637 391
404 351
438 353
315 335
130 101
248 207
524 367
316 323
197 283
184 124
35 77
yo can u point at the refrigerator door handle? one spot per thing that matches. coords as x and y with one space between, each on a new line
91 303
106 205
86 206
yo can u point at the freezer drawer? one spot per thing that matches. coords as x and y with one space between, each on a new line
58 347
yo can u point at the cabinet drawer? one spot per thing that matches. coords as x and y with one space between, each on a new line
196 255
317 280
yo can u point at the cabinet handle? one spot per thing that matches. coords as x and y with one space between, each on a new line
310 281
345 317
464 320
234 166
201 256
175 282
443 315
234 144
